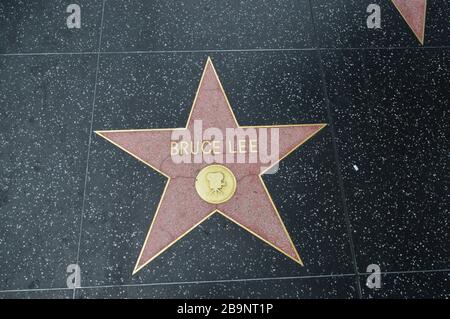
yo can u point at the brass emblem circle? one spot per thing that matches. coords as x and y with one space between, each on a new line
215 184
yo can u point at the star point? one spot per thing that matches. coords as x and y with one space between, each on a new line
414 14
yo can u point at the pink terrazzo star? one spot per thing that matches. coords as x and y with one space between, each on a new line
414 13
181 208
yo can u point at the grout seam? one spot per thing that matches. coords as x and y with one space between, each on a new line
225 50
336 157
89 143
229 280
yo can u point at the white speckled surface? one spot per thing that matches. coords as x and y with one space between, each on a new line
68 196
